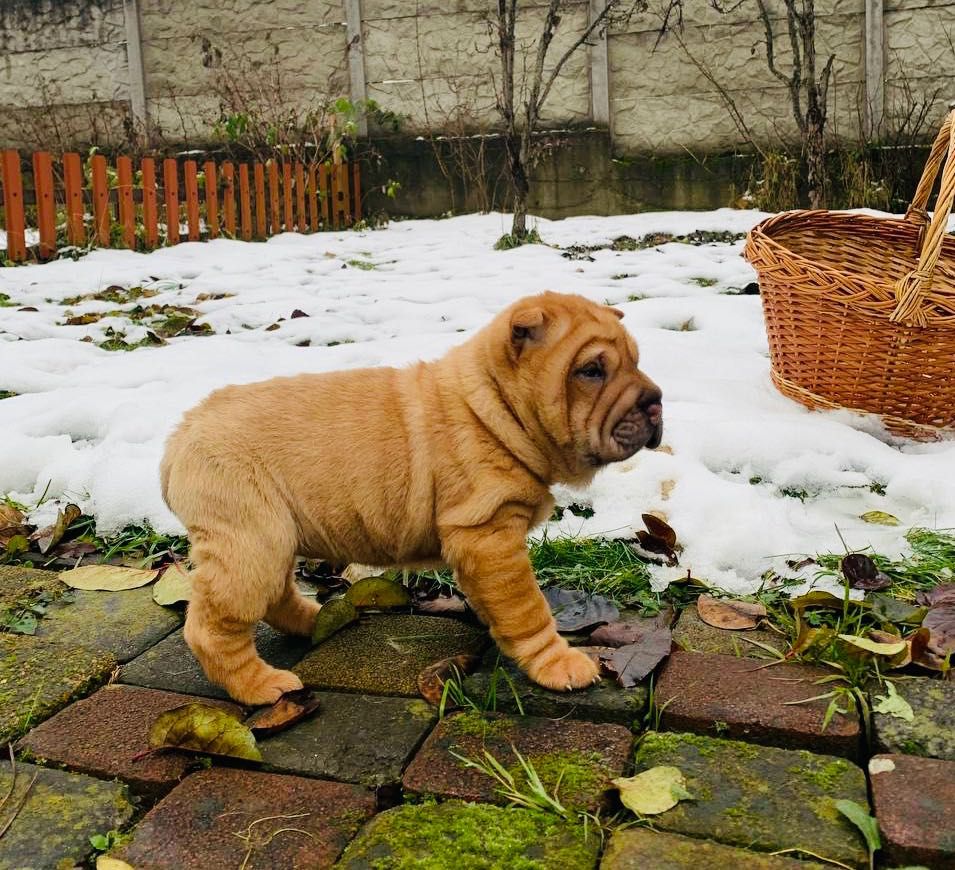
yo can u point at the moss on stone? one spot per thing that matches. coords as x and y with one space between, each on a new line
454 834
932 730
574 776
476 724
422 711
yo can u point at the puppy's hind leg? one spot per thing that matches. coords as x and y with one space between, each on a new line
293 613
238 576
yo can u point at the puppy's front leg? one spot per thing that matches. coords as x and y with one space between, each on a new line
493 570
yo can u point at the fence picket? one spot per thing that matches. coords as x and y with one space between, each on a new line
170 183
245 202
13 206
313 219
344 204
127 208
73 185
192 199
325 193
102 216
275 222
287 198
212 198
356 193
45 203
300 222
260 205
228 197
150 208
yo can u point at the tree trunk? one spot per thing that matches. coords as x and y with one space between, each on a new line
816 163
520 187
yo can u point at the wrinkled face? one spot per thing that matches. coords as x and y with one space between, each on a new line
589 391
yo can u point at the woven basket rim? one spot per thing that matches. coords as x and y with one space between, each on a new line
759 235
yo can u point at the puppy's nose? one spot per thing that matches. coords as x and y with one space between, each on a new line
651 403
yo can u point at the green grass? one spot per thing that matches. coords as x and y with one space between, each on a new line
508 242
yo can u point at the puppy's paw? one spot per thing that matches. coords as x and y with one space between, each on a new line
570 670
266 688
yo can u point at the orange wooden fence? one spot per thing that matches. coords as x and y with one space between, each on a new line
103 206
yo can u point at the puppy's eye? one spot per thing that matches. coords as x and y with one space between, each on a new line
592 371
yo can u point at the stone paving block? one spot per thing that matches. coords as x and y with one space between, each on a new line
914 802
123 624
604 702
642 849
694 635
932 730
227 817
383 654
735 698
61 812
760 797
170 664
354 738
27 585
101 735
461 836
37 678
582 756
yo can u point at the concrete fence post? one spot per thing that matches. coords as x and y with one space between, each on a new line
356 58
599 70
874 68
137 73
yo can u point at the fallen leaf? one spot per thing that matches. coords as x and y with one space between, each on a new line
74 549
616 634
659 538
859 817
654 791
881 765
107 578
660 530
49 537
104 862
728 613
631 663
379 593
201 728
810 637
174 586
893 704
596 653
862 572
443 604
432 679
576 611
19 622
13 525
292 707
16 544
943 594
801 563
922 655
333 616
901 659
879 518
297 313
825 600
890 609
940 622
872 646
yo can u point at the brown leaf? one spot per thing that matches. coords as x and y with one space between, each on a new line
432 679
47 538
575 611
939 595
921 654
615 634
862 573
940 622
660 530
74 549
631 663
292 707
298 313
729 614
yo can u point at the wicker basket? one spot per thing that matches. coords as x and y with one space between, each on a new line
860 311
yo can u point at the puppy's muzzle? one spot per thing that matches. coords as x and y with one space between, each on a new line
643 425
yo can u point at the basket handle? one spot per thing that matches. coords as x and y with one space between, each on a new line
911 290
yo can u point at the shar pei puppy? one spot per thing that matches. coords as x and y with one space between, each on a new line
441 462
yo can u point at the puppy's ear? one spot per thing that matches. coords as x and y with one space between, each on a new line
527 327
616 311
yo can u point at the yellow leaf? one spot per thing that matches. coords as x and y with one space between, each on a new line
880 518
107 578
872 646
174 586
378 592
104 862
334 615
201 728
654 791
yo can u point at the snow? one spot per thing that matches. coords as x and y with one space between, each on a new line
747 479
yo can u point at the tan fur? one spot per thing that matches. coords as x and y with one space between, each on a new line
449 461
